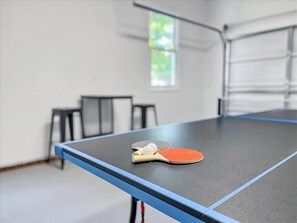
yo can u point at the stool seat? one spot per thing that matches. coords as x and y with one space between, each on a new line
63 113
144 108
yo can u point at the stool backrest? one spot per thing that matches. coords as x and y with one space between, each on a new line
97 116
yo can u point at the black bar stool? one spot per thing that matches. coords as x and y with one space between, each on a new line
63 113
144 108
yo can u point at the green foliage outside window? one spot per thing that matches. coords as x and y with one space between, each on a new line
161 31
161 41
162 68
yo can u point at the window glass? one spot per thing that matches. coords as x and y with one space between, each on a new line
162 68
161 30
163 52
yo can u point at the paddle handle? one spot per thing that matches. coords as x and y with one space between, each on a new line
137 157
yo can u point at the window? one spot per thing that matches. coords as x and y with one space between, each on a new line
163 50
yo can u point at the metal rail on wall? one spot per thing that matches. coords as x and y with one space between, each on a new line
181 19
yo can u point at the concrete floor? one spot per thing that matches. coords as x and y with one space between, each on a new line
45 194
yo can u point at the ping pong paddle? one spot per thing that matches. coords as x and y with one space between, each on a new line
141 144
172 156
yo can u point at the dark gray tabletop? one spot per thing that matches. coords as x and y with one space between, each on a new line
271 199
236 151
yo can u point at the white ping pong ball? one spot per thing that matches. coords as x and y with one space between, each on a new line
153 148
153 145
150 149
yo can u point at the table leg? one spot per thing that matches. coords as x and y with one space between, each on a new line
133 209
132 114
143 117
132 118
156 118
100 115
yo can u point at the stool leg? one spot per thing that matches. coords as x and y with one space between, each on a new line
70 119
62 164
143 117
62 134
156 118
50 138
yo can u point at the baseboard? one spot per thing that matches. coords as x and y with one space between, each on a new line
2 169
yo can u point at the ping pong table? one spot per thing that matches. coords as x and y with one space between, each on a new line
249 173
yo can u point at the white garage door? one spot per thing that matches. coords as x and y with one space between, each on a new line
261 72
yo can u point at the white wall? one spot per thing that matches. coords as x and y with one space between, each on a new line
54 51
